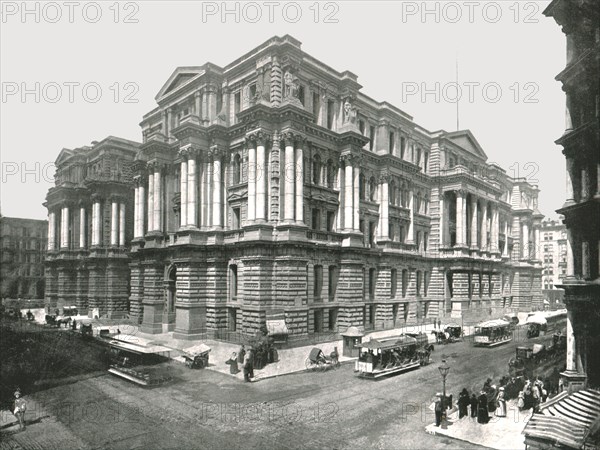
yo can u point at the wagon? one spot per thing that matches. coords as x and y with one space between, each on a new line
318 360
196 357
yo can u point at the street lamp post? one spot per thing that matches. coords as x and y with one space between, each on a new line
444 369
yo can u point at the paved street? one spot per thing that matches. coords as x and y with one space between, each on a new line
332 409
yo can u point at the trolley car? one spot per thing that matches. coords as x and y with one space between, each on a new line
143 365
492 333
378 358
543 322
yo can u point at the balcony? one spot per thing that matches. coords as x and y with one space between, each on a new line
325 237
233 236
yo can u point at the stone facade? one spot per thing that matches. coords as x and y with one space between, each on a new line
23 244
274 184
580 21
89 228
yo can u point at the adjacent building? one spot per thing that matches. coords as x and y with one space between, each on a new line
23 243
580 21
274 187
553 247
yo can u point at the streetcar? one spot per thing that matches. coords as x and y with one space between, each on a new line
382 357
542 322
144 365
492 333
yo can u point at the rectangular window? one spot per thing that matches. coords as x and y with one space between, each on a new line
402 146
330 113
425 283
252 91
372 234
236 219
233 283
419 275
371 137
316 219
392 138
361 126
237 103
316 106
301 95
332 282
372 280
330 220
425 162
333 312
404 282
318 282
394 283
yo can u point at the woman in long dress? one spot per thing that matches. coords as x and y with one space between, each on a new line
501 410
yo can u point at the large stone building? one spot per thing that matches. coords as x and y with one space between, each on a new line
274 186
553 248
580 21
23 245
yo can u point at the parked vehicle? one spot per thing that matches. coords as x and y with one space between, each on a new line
542 322
197 357
492 333
318 360
144 365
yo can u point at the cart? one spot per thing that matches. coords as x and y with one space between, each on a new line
196 357
318 360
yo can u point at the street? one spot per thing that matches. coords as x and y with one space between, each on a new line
206 409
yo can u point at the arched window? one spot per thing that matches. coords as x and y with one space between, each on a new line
237 169
316 170
361 187
330 174
372 189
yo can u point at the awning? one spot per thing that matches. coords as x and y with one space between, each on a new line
197 349
277 326
566 419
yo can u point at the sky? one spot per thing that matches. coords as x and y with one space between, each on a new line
76 72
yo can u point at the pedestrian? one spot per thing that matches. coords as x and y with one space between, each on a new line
20 406
473 406
521 401
233 364
439 323
482 409
438 410
74 325
241 355
247 367
501 410
463 403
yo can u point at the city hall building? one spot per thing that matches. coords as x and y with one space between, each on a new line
274 187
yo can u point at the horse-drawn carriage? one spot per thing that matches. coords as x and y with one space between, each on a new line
86 330
452 333
318 360
57 321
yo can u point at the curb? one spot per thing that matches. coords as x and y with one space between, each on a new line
299 371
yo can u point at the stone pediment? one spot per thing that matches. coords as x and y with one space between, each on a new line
466 141
179 77
63 156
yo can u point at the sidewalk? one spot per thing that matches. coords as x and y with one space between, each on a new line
499 432
290 360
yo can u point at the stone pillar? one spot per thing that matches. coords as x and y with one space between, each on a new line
495 230
525 241
289 173
51 230
411 227
251 214
150 202
96 231
64 227
356 197
261 181
460 222
569 184
122 225
183 188
299 182
384 208
536 243
136 208
275 179
348 194
568 121
82 227
157 218
204 193
571 344
114 223
473 223
142 213
585 259
340 188
192 191
442 219
217 205
570 258
484 242
505 249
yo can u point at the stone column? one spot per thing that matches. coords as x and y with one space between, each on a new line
122 225
51 230
569 184
142 213
571 344
536 243
136 208
150 201
299 182
157 219
64 227
348 194
289 173
505 249
384 208
495 230
525 241
183 189
356 197
82 227
114 223
411 226
340 188
460 222
217 205
570 257
251 213
261 180
96 231
473 223
442 220
204 193
484 242
585 259
192 190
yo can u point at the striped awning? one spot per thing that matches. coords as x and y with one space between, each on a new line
566 419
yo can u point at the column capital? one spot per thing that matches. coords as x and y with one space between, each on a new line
216 152
292 137
351 159
384 177
461 193
188 151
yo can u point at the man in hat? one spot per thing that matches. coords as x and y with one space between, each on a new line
438 409
19 409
